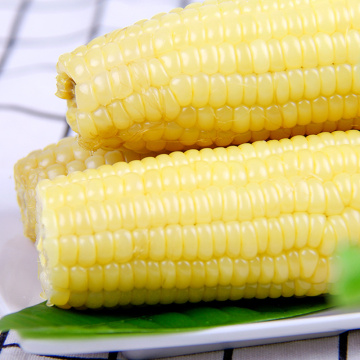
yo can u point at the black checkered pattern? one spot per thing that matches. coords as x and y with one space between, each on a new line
33 33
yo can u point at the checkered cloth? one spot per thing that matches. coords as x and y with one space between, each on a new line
33 33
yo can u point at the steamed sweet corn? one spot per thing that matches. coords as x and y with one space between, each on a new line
217 73
62 158
258 220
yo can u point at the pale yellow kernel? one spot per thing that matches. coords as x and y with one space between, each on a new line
202 208
356 79
351 106
328 80
206 118
218 91
95 300
170 205
319 109
245 204
197 274
271 199
292 52
127 279
181 87
294 265
123 246
234 243
140 273
308 262
154 276
104 247
257 199
196 295
301 287
260 56
249 244
59 276
301 194
138 296
325 50
190 242
288 228
297 84
78 299
317 202
276 58
230 200
275 119
243 58
341 229
98 216
312 83
267 272
209 59
140 238
201 89
232 29
276 241
95 278
251 290
309 51
343 79
250 92
241 122
95 190
78 279
212 273
68 250
328 242
219 234
254 271
265 96
55 170
316 228
134 106
352 218
305 115
183 274
59 297
168 274
187 208
85 97
174 242
334 203
281 269
288 289
205 242
336 107
66 221
121 82
301 229
111 277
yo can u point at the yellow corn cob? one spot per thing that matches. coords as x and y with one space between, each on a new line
62 158
258 220
218 73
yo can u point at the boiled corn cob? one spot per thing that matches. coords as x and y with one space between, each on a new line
256 220
62 158
217 73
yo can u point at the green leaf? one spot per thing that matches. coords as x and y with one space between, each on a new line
347 287
41 321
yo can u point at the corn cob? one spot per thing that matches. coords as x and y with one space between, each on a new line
62 158
255 220
217 73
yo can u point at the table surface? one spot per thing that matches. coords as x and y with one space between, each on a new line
33 33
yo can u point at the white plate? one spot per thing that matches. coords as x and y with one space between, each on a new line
19 288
